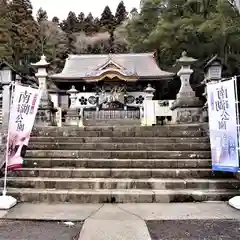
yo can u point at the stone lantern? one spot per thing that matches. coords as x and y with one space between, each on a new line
187 107
72 117
213 74
73 96
42 74
213 69
45 115
149 117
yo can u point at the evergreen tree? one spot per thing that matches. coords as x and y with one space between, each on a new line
97 24
81 17
133 13
71 41
24 33
107 19
5 39
121 13
42 15
202 28
55 20
89 24
81 21
108 22
70 25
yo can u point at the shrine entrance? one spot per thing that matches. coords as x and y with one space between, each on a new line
112 95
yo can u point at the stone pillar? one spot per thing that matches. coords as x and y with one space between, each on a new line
46 112
72 117
187 107
149 117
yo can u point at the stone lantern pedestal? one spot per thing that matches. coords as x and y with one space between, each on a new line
187 108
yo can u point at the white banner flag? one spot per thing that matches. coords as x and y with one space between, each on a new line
22 116
223 126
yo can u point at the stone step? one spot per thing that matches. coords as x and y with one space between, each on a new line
116 163
118 154
154 131
134 173
119 146
120 196
113 183
41 139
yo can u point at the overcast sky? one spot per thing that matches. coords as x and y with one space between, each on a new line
61 8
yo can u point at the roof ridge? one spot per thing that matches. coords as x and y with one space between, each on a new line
76 56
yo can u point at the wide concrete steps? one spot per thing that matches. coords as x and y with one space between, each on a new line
123 183
79 140
116 163
118 154
121 131
120 195
119 146
117 173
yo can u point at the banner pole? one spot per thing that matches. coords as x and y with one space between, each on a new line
7 202
237 110
4 192
235 201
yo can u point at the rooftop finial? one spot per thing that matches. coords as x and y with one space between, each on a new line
184 53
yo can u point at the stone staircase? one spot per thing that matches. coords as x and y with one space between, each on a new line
120 164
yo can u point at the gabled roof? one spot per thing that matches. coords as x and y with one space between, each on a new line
142 65
110 63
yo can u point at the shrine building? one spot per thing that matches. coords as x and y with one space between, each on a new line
108 87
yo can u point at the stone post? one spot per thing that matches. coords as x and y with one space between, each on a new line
46 112
72 117
187 107
149 117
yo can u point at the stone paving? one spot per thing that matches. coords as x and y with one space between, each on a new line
185 221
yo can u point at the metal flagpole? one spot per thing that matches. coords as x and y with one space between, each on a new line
4 192
6 202
237 110
235 201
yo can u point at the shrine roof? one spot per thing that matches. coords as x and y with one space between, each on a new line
142 65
